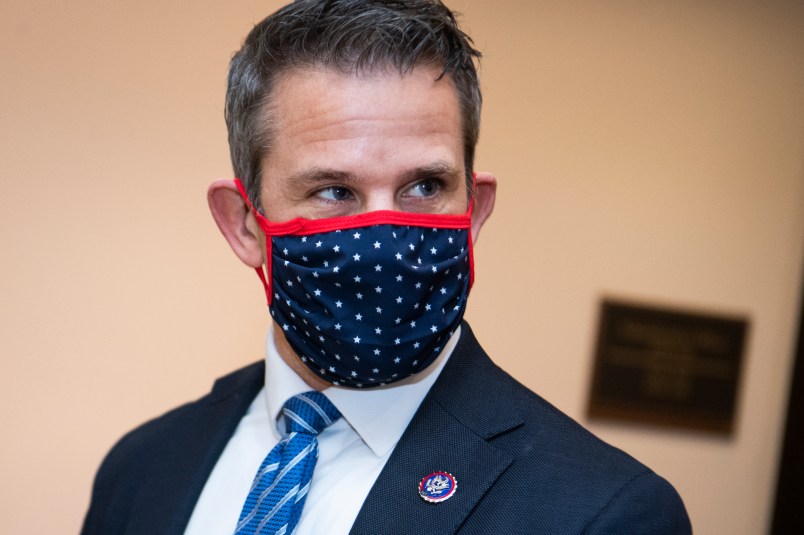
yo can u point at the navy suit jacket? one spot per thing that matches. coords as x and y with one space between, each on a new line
522 466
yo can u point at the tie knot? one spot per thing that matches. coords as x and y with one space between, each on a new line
309 413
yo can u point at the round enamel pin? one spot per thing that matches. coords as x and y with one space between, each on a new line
437 487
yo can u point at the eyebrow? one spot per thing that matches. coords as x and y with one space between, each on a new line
316 174
435 169
320 174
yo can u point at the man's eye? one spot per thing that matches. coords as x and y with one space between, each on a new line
425 188
335 193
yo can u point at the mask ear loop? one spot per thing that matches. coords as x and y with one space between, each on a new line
469 231
261 270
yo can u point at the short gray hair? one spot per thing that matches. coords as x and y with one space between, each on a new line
350 36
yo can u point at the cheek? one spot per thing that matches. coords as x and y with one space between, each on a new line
460 199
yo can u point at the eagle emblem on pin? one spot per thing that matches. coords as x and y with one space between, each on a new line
437 487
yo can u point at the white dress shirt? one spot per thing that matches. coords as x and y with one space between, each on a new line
352 451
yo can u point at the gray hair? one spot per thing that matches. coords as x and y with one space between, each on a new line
350 36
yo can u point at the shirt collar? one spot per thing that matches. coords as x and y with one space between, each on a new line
379 415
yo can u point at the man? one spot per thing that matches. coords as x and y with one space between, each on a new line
352 128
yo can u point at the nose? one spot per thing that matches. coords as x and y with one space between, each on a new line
376 200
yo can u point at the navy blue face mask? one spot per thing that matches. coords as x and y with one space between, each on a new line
370 299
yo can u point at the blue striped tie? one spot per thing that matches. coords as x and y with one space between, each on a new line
275 501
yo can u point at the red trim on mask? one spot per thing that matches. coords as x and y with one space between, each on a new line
301 227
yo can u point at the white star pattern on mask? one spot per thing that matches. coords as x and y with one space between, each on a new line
398 332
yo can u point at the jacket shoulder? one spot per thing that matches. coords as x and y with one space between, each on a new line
609 490
170 451
563 478
161 431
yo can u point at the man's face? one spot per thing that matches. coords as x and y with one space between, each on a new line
347 144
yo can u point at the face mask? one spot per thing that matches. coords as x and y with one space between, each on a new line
370 299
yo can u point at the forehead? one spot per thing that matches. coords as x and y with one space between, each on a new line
376 134
312 105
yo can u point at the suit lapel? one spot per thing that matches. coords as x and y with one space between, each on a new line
450 432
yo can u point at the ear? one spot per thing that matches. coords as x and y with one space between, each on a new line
236 222
485 194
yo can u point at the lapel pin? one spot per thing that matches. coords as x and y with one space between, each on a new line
437 487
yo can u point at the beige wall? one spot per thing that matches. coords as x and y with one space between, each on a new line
653 150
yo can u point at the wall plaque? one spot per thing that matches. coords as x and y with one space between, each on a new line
667 366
